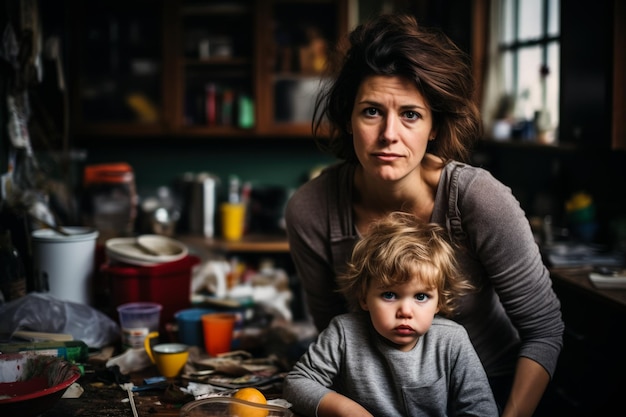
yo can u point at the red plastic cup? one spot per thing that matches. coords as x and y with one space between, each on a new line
218 332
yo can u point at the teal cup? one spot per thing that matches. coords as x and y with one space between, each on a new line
190 331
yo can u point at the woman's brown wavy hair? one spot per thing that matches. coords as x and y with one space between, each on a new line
395 45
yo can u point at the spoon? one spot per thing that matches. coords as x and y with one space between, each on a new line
56 228
145 248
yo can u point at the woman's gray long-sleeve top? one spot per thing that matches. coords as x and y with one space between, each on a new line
514 313
440 376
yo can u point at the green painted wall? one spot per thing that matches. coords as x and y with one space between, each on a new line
262 161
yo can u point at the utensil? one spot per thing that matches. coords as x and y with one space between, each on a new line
146 248
48 225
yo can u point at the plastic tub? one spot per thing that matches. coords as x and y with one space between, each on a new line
137 320
168 284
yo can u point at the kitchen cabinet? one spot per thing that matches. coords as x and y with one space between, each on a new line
294 46
117 67
590 373
212 52
200 68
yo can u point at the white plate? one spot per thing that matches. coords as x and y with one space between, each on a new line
128 250
608 281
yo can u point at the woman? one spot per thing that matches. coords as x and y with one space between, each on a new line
402 119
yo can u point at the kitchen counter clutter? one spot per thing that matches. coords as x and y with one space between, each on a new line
119 383
104 395
265 331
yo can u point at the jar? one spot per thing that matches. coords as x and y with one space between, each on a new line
109 202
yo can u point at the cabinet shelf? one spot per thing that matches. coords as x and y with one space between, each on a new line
204 56
217 62
215 9
248 244
202 131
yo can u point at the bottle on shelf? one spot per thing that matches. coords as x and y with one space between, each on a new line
12 272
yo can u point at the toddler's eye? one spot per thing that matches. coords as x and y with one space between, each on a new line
421 297
388 295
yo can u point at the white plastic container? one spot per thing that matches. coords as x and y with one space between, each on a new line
66 263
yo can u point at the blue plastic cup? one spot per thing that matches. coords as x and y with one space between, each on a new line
190 331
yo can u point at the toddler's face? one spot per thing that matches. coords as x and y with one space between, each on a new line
402 313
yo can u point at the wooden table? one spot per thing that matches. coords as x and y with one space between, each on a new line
577 279
108 399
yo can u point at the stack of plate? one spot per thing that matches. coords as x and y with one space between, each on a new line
145 250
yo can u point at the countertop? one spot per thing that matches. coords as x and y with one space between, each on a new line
577 279
108 399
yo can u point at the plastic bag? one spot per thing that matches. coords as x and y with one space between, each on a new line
42 312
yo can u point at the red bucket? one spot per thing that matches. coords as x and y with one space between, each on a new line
168 284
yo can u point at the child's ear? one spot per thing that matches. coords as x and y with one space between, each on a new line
363 303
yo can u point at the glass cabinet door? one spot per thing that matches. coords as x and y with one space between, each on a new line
297 41
119 71
215 67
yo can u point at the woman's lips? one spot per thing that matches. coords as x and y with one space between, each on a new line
387 156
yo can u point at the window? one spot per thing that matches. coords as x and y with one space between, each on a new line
522 92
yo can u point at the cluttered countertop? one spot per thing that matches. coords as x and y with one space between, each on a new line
593 270
107 394
187 286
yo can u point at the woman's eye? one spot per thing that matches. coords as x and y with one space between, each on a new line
388 295
371 111
411 115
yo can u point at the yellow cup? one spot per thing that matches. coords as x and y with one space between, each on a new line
218 332
170 358
233 220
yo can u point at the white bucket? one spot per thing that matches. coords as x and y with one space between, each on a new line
66 263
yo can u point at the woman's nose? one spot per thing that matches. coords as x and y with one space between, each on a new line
389 130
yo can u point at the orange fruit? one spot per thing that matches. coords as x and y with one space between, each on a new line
252 395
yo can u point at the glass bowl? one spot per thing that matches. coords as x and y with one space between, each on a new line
228 406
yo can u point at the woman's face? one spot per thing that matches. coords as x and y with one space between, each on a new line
391 124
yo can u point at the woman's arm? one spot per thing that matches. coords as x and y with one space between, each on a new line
531 380
306 217
503 240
